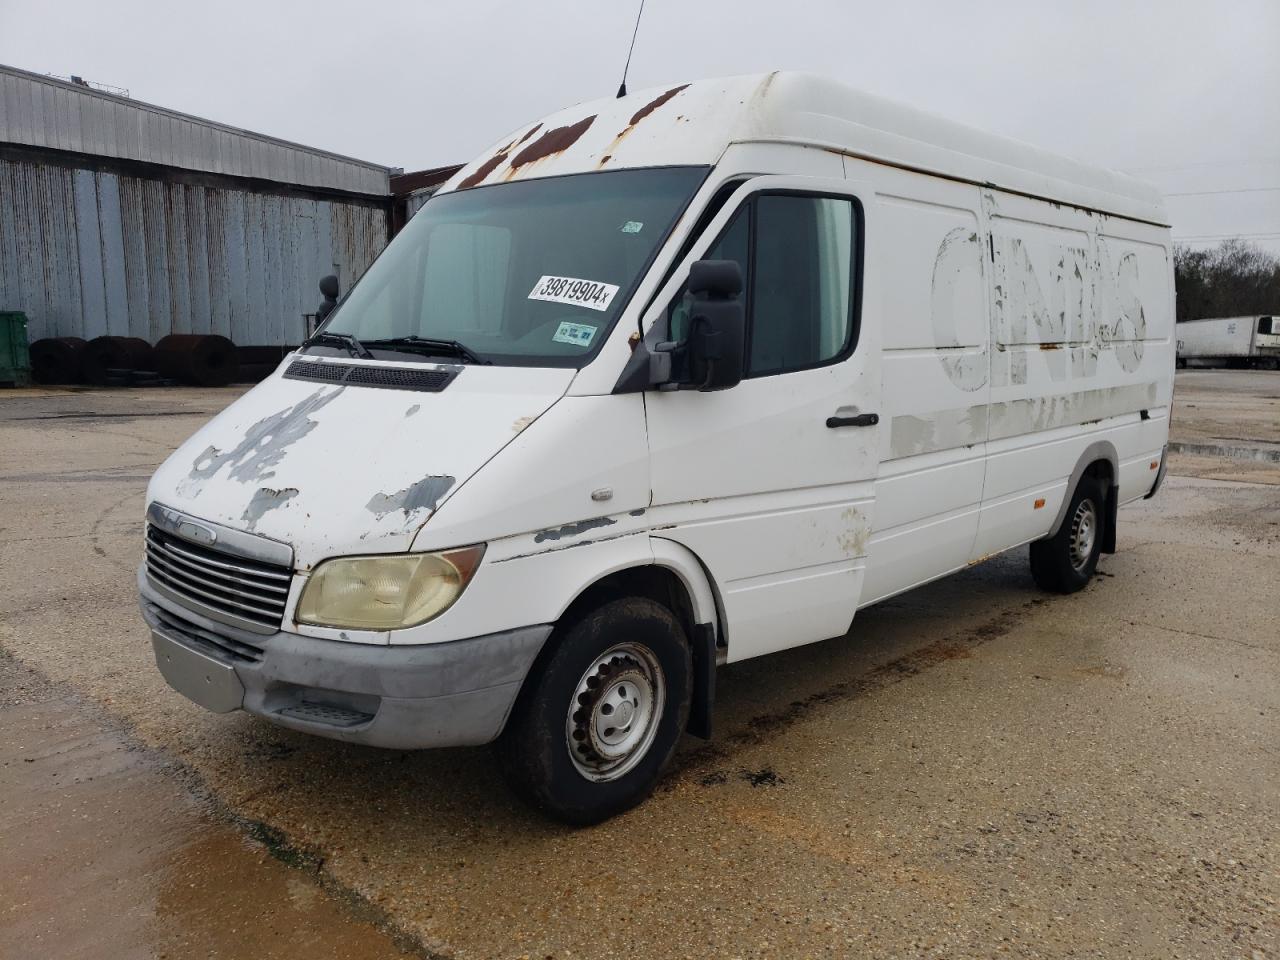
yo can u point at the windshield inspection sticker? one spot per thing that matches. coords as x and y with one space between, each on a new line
579 334
578 293
632 226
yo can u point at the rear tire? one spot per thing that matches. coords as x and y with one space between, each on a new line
1066 561
600 714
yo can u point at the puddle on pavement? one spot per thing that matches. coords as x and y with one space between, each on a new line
103 854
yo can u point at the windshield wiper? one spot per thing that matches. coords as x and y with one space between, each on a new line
354 346
431 347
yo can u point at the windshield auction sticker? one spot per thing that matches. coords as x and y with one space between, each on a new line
578 293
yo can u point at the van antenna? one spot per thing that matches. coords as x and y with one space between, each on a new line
622 87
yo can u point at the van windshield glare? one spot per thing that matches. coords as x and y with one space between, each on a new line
529 273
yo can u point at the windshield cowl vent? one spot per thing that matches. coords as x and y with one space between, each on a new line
387 378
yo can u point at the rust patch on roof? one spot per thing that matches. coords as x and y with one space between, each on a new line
482 171
643 112
603 160
532 130
551 142
618 138
654 104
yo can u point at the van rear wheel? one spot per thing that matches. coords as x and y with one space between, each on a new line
1066 561
599 716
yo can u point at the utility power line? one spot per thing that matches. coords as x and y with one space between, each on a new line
1209 193
1209 163
1230 236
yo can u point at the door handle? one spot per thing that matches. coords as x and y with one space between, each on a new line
861 420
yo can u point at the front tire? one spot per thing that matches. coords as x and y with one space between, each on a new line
599 716
1066 561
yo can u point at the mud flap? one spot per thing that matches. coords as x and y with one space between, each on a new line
1109 528
703 642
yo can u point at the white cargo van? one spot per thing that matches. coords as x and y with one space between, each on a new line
655 384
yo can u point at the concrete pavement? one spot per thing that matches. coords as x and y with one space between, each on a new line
978 769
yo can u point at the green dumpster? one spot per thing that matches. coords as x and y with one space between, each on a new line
15 358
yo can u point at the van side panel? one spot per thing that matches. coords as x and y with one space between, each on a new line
1139 318
935 377
1020 337
1080 324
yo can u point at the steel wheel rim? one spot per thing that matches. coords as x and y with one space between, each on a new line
1084 530
615 711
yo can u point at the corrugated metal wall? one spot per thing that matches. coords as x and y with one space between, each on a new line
413 203
87 253
46 112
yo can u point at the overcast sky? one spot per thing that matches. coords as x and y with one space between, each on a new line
1185 94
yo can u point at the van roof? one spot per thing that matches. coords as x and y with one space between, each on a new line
694 123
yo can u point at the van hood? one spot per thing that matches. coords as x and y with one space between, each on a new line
341 469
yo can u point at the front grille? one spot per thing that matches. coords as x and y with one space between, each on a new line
218 645
246 591
431 380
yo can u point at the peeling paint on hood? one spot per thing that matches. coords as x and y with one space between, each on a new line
263 445
423 495
342 470
265 499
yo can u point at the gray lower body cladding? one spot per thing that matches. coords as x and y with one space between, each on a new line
433 695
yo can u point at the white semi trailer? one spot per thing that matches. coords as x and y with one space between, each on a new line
1230 341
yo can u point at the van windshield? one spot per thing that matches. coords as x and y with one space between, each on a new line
528 273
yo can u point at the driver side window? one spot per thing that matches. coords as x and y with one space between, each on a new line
799 256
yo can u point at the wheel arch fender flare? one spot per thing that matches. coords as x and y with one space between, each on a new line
638 552
703 596
1099 450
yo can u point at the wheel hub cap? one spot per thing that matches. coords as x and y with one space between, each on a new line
1084 528
615 712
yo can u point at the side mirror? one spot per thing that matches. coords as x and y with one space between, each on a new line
329 290
712 356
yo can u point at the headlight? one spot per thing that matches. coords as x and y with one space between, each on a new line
386 592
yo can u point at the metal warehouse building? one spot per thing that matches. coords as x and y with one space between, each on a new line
118 217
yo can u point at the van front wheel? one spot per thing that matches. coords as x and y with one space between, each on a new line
599 715
1066 561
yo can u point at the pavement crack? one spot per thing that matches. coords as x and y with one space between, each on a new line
163 444
95 533
67 478
1221 482
1201 636
133 415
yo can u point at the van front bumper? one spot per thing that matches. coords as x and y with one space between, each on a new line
402 697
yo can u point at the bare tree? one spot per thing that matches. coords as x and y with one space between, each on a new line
1235 278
